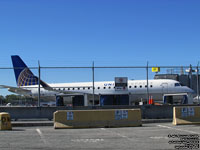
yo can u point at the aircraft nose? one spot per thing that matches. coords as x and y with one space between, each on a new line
189 90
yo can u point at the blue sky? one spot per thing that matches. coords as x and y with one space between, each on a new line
108 32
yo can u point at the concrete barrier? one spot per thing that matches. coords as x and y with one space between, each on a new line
148 111
97 118
5 121
186 115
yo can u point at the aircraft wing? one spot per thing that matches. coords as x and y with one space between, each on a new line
15 89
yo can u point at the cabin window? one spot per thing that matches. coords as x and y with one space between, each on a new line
145 86
78 88
83 88
98 87
109 87
135 86
130 87
72 88
104 87
140 86
177 84
151 86
88 88
68 88
63 89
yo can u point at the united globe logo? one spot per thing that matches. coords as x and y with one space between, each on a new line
26 78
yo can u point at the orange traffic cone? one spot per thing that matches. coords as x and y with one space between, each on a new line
151 101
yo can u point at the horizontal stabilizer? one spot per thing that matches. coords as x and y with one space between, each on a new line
16 89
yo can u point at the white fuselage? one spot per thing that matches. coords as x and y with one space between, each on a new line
136 88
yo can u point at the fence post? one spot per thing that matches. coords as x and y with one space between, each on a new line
147 71
198 83
38 84
93 81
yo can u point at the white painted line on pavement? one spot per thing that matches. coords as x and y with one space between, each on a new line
87 140
42 136
120 135
183 130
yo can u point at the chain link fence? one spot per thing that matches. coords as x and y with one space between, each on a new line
187 75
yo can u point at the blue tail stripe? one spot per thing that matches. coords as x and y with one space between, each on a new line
23 74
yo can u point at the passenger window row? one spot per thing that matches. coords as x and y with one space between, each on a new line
63 89
88 88
83 88
140 86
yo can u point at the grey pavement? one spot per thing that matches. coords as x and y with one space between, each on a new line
151 136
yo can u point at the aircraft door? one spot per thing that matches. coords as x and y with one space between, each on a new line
164 87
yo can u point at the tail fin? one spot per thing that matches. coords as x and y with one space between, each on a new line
23 75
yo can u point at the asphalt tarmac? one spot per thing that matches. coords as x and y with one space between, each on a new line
151 136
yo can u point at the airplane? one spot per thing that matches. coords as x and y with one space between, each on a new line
27 84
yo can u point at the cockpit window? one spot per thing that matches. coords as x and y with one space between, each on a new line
177 84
